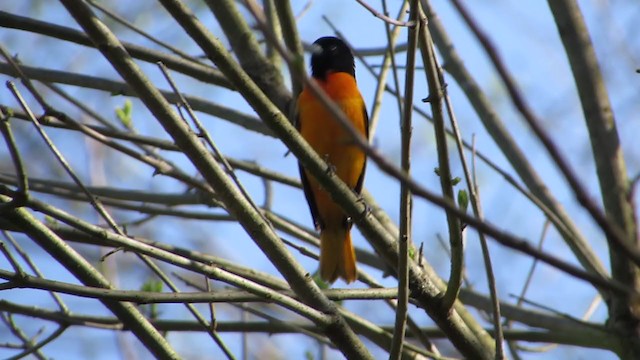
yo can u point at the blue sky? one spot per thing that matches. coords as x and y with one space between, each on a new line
528 42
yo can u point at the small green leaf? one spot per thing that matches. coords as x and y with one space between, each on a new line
463 200
455 181
152 285
124 113
151 310
412 252
308 355
437 171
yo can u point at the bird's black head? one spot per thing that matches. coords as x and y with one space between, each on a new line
331 54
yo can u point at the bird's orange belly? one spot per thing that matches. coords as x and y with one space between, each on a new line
336 146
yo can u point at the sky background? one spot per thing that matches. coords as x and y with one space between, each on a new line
527 40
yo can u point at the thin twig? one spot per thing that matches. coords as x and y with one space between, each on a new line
27 259
198 71
203 133
477 210
119 19
384 17
177 297
291 38
95 202
18 164
192 309
390 56
406 205
14 264
123 88
17 71
435 100
27 343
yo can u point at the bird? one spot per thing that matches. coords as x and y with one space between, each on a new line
333 69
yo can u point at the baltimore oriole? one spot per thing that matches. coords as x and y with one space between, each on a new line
333 68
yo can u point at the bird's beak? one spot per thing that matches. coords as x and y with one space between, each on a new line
316 49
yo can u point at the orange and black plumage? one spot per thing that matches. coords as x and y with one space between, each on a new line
333 68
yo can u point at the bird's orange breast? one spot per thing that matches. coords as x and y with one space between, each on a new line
330 140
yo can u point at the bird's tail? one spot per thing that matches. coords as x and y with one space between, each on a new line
337 256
